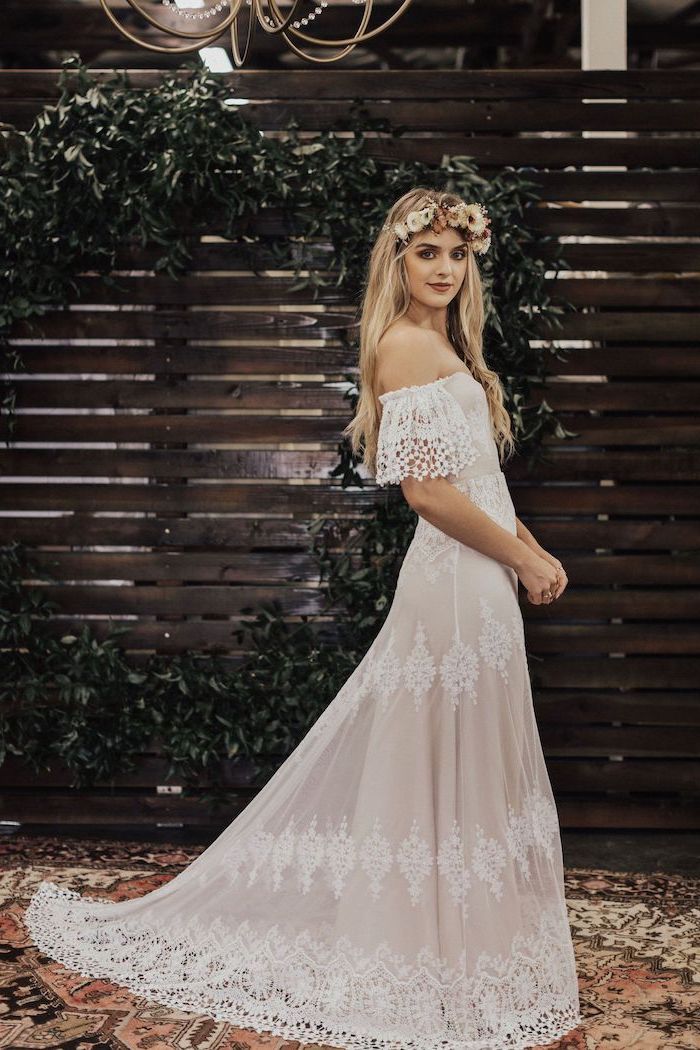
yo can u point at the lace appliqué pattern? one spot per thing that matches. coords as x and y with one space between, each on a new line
423 432
489 859
479 422
335 855
459 671
419 667
416 861
496 642
432 552
299 987
451 866
379 675
384 675
376 859
490 493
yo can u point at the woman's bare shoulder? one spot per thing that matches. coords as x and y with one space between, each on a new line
406 356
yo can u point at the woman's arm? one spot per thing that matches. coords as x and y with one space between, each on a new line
453 512
436 499
444 506
526 536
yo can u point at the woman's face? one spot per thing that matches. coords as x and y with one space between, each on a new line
436 259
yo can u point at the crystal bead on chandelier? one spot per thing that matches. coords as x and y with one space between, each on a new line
271 20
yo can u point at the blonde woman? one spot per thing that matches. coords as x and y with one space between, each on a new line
398 883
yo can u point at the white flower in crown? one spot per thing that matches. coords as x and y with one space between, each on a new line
472 218
418 220
480 245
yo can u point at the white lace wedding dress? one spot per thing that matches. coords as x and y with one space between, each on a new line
398 882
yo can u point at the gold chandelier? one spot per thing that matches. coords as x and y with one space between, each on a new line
273 21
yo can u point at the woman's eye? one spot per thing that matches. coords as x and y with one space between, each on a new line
427 251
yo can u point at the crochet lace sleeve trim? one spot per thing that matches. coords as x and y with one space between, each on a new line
423 433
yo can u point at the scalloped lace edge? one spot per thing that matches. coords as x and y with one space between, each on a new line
57 921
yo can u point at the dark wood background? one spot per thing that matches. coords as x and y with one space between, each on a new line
180 432
430 34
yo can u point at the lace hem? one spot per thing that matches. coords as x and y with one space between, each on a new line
309 991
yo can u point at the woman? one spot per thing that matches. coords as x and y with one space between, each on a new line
398 882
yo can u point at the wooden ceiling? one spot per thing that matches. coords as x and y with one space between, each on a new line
432 34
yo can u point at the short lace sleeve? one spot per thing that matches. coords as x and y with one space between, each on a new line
423 432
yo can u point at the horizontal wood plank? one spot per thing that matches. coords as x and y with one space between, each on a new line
230 437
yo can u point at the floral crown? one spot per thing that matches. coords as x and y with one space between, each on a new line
472 219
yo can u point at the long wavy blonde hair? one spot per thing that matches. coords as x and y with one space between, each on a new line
387 297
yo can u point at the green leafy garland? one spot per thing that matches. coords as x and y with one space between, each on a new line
110 164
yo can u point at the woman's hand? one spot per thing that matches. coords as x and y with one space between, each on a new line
529 540
540 578
562 578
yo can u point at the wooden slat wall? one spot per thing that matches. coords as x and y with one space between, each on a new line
507 33
200 418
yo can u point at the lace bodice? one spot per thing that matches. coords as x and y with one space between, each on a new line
437 429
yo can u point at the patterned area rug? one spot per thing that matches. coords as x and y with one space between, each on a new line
637 941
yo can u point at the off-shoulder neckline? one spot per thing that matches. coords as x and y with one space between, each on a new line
401 390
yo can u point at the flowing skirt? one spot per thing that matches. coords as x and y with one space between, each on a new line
397 884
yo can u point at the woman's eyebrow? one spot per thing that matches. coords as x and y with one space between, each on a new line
425 244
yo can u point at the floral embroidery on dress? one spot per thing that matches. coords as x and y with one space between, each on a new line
488 861
495 640
311 849
419 668
415 862
459 670
282 855
336 854
451 866
519 634
490 493
384 675
518 838
376 858
432 552
352 694
545 822
479 423
340 857
258 852
536 826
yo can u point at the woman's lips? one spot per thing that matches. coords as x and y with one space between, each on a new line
440 287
